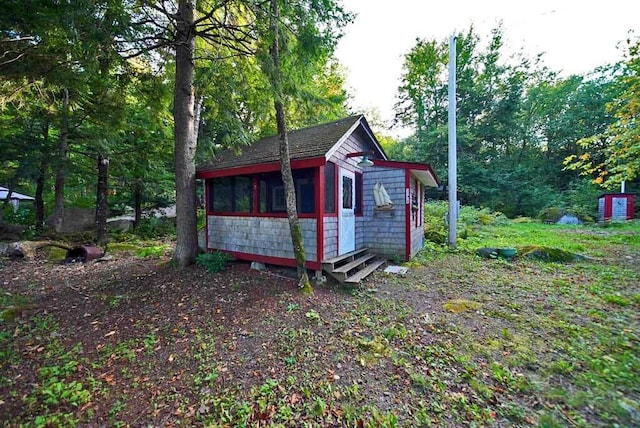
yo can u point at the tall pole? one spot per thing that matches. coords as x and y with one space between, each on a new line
453 158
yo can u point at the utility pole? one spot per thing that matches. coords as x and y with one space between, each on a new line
453 156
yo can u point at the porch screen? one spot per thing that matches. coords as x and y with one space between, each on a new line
330 188
231 194
272 195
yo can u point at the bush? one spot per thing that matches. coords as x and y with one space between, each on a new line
551 213
214 262
556 213
436 213
155 227
153 251
23 216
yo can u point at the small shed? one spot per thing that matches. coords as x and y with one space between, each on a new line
15 198
616 206
336 167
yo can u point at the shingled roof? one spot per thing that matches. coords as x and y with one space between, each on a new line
306 143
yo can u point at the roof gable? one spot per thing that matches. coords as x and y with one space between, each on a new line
306 143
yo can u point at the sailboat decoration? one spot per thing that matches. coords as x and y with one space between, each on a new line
381 197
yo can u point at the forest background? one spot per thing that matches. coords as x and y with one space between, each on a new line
87 92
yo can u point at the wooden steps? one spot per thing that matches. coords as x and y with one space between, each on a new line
352 267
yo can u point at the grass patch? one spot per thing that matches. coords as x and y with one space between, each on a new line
461 305
531 343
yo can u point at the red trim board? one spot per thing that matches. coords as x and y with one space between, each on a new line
278 261
258 168
407 213
319 176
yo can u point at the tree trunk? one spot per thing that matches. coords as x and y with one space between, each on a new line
137 202
61 172
285 161
101 201
40 180
185 142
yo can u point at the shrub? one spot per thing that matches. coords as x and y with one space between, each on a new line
470 218
551 213
214 262
153 251
155 227
556 213
24 216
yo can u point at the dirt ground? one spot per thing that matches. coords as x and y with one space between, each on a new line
153 345
104 304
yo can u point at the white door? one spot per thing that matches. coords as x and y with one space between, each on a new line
346 212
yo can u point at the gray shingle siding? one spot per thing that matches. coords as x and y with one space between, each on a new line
330 237
260 235
353 144
385 229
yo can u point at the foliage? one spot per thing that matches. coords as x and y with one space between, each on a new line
113 59
460 341
516 121
436 228
24 216
546 254
155 227
556 213
215 261
612 155
153 251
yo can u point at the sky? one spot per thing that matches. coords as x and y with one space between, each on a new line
574 36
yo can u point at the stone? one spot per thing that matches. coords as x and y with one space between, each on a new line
569 219
258 266
75 219
120 224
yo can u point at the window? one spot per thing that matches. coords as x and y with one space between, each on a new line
231 194
272 195
347 192
278 200
330 188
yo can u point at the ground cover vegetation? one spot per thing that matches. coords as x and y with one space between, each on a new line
87 96
460 340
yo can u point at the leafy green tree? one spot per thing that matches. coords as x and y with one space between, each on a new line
70 50
517 121
613 155
292 46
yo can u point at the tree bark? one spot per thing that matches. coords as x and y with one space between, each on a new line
101 201
61 167
185 142
137 202
40 180
285 160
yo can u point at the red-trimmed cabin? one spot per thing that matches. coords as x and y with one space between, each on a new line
246 213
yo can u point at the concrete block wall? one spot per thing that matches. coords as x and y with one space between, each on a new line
260 235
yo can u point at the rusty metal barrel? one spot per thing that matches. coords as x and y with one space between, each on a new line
83 253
